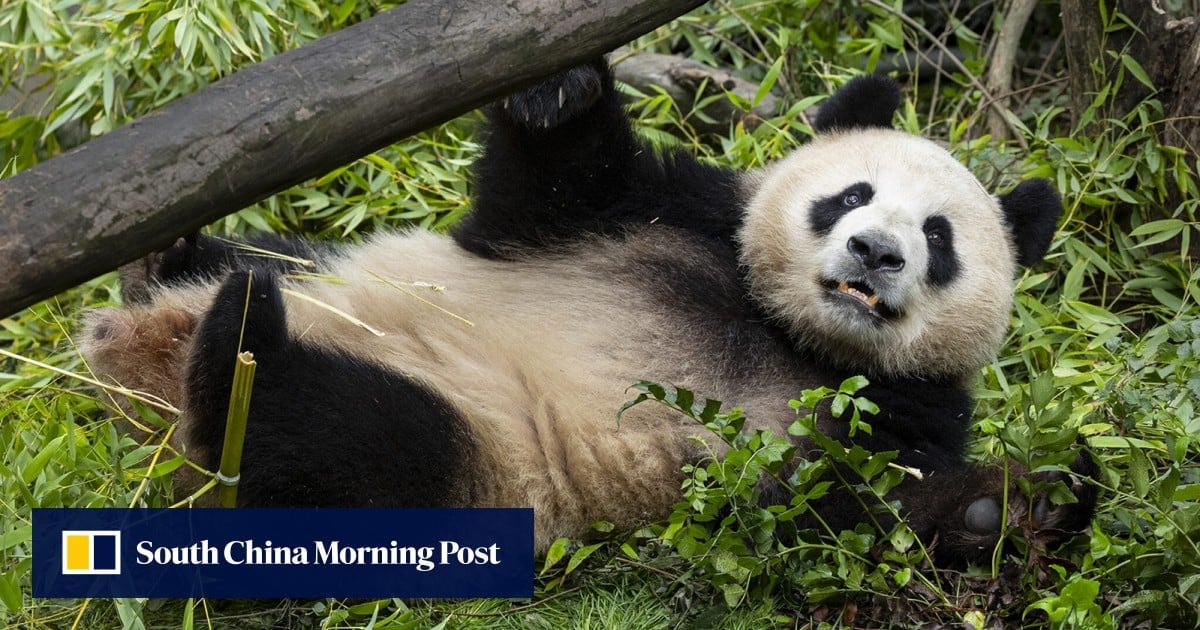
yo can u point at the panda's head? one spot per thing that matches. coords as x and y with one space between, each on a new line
882 253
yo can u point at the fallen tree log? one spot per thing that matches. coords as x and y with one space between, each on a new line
280 122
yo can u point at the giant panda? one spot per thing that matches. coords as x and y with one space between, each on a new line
486 367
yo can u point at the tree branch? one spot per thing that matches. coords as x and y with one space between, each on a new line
999 78
283 121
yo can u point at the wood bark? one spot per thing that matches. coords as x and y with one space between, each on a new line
1083 42
280 122
1167 48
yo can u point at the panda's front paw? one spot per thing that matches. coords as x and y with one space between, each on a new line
559 99
161 267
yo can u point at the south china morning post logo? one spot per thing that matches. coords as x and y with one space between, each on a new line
233 553
331 552
91 552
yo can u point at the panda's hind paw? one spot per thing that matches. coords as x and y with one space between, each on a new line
161 267
557 100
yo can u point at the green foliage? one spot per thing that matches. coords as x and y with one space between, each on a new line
1103 347
746 551
96 65
421 181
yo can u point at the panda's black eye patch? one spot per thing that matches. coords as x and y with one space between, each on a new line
943 261
826 212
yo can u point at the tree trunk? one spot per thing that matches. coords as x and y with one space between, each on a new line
1083 38
283 121
1168 49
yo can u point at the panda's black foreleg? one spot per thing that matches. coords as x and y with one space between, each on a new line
555 160
325 428
562 162
199 256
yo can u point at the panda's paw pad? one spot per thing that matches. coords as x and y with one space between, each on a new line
984 516
555 101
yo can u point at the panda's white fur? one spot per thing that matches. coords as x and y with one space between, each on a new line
533 343
533 370
959 327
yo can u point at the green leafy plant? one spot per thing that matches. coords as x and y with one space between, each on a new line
746 550
1103 344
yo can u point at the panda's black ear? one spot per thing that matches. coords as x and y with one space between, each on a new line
1031 211
866 101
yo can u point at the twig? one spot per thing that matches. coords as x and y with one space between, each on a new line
947 54
147 399
646 567
1000 72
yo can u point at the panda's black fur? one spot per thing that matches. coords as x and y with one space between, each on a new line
641 260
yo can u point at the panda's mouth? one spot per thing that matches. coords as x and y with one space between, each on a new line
861 295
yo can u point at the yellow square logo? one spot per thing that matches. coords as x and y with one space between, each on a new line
91 552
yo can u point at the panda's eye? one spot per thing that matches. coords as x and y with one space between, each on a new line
943 262
825 212
939 234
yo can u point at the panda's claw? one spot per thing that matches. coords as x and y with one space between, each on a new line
557 100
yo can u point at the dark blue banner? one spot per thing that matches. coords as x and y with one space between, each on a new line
113 552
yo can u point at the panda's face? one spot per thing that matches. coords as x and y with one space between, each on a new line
880 251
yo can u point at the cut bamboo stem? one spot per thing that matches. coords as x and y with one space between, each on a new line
235 430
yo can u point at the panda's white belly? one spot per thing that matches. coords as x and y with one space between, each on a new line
536 355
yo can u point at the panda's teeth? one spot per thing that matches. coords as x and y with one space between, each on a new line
870 300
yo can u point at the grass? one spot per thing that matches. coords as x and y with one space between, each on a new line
1104 344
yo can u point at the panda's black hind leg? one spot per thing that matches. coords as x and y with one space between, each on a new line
325 428
199 256
246 315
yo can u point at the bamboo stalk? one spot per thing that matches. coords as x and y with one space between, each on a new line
235 430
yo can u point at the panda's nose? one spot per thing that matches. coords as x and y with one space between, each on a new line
876 252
